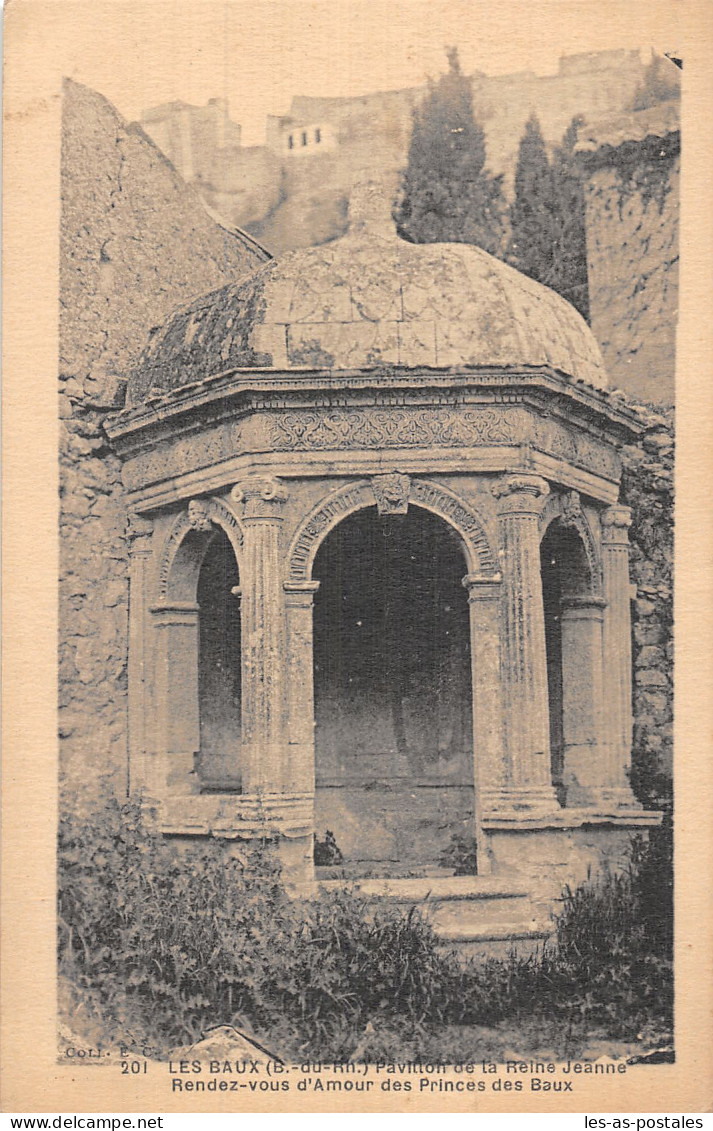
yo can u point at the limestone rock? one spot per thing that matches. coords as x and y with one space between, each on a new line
225 1042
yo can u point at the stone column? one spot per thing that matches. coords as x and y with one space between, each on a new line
585 754
262 634
139 531
299 601
615 789
489 768
175 707
484 593
529 788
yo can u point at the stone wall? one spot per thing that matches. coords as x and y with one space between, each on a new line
135 241
647 487
632 195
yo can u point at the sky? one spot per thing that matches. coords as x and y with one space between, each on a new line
259 54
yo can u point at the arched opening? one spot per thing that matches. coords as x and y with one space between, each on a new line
393 699
219 668
573 640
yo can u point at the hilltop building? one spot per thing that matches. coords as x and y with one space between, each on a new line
293 191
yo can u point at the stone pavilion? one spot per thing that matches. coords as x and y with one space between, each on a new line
379 580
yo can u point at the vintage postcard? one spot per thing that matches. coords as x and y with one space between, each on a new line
347 349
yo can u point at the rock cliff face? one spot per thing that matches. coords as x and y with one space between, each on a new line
134 242
632 248
647 487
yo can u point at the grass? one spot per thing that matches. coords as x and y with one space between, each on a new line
158 944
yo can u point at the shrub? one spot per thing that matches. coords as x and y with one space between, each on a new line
168 940
160 941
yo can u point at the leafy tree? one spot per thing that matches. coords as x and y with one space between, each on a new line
448 195
548 237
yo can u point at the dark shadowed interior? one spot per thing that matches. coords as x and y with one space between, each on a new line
565 574
219 686
394 754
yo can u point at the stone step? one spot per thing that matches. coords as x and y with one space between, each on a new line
487 916
496 943
434 889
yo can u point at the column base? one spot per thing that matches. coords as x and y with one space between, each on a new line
605 799
533 801
264 767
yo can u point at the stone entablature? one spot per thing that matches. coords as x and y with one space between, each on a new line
212 430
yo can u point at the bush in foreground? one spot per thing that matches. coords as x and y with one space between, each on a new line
159 942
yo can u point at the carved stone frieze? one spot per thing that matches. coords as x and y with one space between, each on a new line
391 493
385 427
184 453
597 456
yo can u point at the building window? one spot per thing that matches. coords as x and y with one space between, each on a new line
304 137
318 135
290 142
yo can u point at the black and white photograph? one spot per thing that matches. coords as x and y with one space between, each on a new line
364 790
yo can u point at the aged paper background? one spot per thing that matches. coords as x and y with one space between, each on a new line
127 51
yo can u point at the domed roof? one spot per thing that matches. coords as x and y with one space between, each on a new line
370 301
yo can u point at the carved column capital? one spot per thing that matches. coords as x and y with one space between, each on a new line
262 496
391 492
521 494
482 587
616 521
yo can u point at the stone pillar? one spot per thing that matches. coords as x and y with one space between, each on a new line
489 768
139 531
484 593
263 635
585 754
299 601
616 790
175 707
529 788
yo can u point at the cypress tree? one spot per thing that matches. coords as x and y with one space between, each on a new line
548 235
570 277
532 213
448 195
